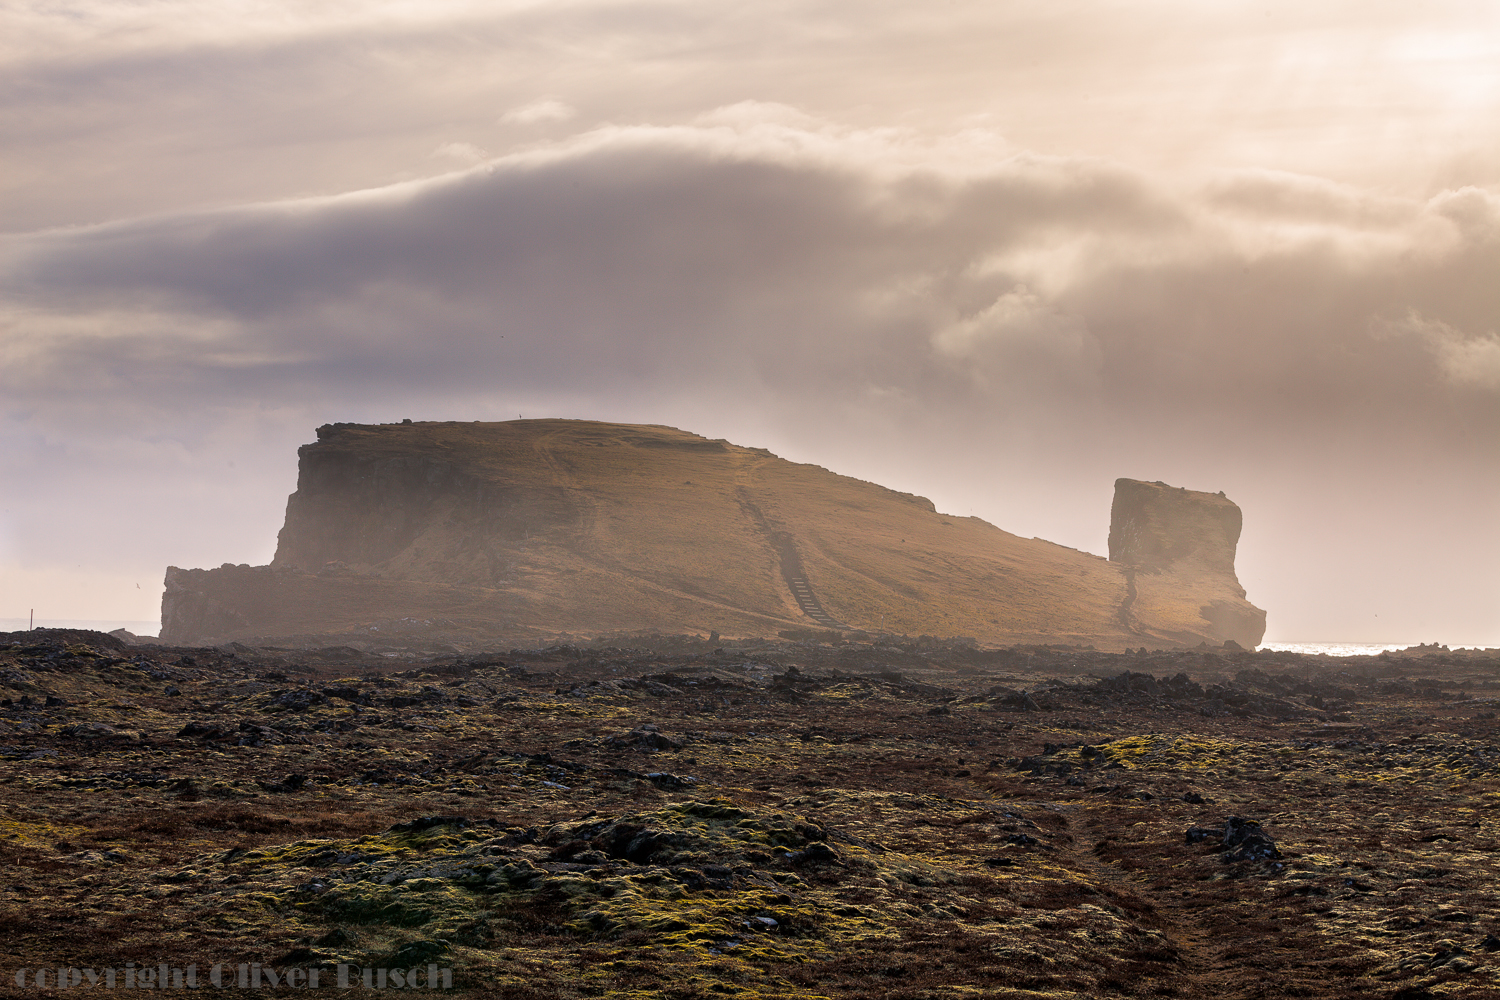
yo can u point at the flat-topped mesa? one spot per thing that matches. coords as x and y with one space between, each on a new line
452 535
1174 542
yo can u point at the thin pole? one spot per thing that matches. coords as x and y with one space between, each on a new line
33 620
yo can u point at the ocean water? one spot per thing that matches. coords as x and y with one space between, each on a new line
1336 648
151 628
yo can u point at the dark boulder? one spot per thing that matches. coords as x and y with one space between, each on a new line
813 854
1244 840
1240 840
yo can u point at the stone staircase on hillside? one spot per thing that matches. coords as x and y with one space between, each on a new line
809 603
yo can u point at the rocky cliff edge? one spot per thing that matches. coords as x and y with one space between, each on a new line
464 535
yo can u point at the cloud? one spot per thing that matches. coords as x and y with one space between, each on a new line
143 108
545 110
463 152
1475 211
1466 359
1016 331
777 250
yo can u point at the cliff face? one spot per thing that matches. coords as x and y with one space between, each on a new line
1153 525
405 505
1173 541
481 534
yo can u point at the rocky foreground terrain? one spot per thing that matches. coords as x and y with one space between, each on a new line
888 818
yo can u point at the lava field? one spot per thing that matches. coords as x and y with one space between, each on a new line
889 818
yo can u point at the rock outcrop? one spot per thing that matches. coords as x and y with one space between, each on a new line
1172 541
431 534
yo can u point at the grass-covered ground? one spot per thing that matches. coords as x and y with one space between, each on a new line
764 820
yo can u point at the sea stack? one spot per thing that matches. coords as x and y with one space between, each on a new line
1173 541
455 536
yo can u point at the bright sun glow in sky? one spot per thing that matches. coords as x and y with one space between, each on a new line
997 253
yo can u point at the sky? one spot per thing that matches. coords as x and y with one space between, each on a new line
996 253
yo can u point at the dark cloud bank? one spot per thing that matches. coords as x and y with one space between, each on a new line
1006 333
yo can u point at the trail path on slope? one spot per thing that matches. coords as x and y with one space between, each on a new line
787 555
1225 942
585 532
1197 970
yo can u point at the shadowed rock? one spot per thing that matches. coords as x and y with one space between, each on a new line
1171 541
